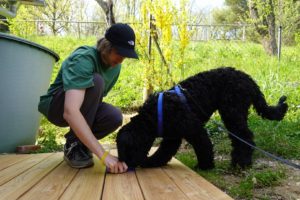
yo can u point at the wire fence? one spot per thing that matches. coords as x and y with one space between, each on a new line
218 32
200 32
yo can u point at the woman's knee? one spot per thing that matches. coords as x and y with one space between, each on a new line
116 118
108 117
107 121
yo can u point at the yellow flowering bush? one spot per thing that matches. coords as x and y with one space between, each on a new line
161 62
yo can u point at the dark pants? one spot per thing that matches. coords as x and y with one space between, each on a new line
101 117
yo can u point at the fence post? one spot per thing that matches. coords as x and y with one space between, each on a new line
37 27
206 33
279 42
244 33
78 26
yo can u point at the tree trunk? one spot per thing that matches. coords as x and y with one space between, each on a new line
107 7
266 26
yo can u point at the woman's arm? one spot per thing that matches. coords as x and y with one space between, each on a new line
73 101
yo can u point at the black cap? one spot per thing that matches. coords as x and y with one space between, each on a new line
122 38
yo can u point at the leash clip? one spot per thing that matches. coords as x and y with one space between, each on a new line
181 88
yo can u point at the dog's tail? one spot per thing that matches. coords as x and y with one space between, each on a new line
269 112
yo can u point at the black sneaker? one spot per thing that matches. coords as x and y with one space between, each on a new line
77 155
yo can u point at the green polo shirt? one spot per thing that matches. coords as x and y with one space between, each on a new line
77 72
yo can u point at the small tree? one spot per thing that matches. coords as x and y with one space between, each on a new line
158 53
18 25
55 11
263 17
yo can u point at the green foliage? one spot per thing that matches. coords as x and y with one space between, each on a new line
288 17
286 12
188 158
265 178
297 38
53 12
18 25
50 137
243 190
235 12
50 15
238 6
224 16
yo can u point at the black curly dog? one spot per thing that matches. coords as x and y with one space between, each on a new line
225 89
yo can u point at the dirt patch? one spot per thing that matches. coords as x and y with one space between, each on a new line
288 188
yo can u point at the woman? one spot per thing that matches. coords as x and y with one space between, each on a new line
75 97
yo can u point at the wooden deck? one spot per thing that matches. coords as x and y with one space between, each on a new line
46 176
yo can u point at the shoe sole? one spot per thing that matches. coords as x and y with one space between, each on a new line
78 166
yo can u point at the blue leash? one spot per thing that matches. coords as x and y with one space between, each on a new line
182 98
160 113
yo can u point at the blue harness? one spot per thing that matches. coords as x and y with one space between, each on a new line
182 98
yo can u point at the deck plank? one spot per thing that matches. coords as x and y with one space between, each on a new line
16 169
157 185
19 185
122 187
192 184
87 184
53 185
10 159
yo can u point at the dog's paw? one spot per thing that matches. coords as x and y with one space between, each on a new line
205 166
245 164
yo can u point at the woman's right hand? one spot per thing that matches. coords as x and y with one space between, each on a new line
114 165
